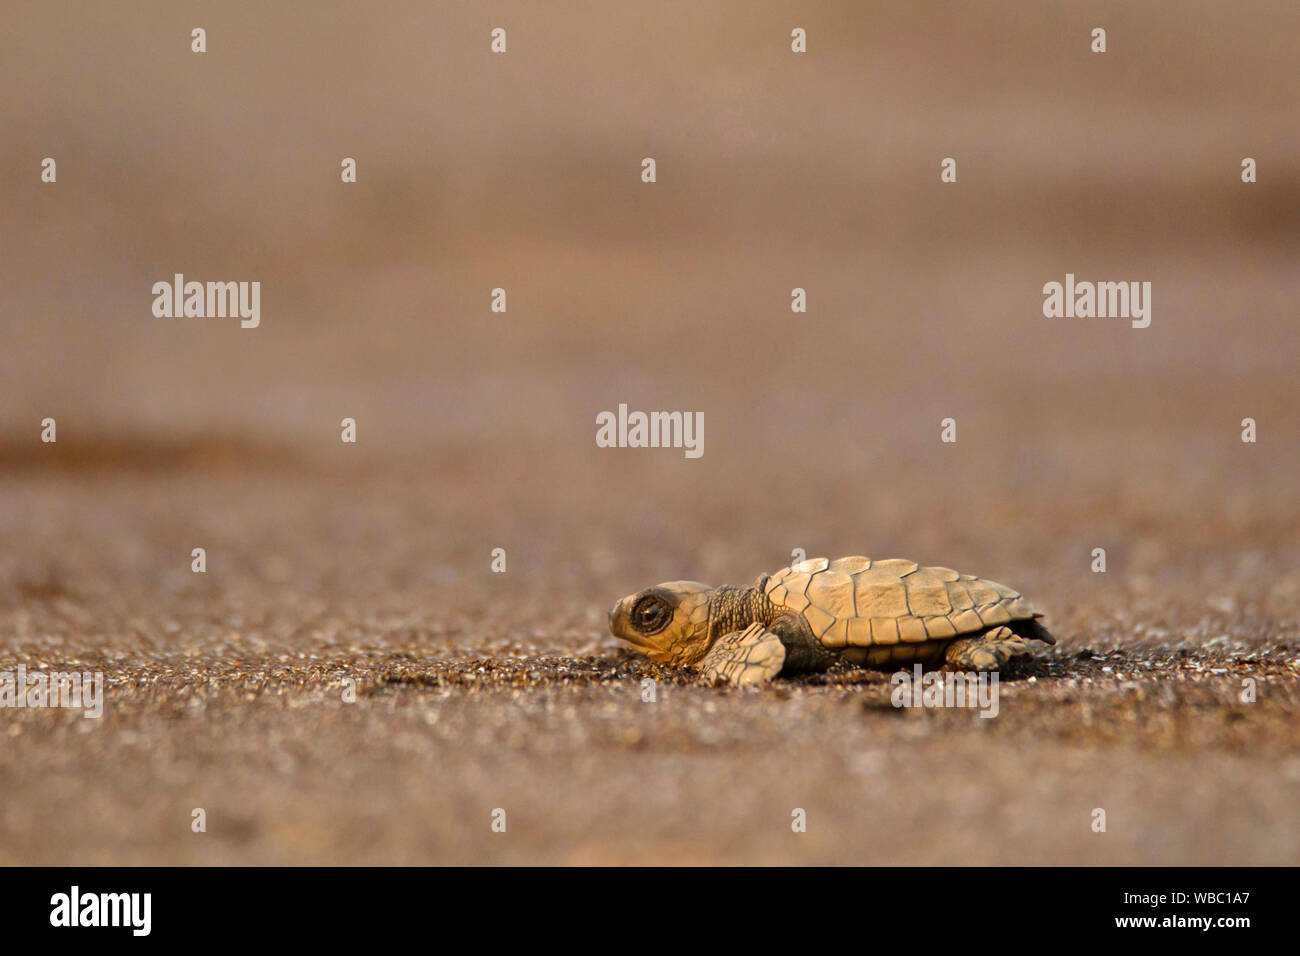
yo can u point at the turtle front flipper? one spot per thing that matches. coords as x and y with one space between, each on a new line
744 658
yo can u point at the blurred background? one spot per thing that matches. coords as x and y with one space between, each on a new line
476 429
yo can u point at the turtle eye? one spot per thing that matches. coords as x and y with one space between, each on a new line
651 614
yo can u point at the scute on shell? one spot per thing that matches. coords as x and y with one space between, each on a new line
994 614
897 566
939 627
981 593
811 565
837 635
927 595
833 593
878 593
850 565
912 630
959 596
796 582
884 630
819 620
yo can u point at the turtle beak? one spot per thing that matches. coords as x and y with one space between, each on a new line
618 622
618 626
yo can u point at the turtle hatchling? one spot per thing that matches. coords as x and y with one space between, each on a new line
882 614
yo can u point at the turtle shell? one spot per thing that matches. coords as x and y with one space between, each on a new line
856 602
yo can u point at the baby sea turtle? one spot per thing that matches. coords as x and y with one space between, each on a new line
881 614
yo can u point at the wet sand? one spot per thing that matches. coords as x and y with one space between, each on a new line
476 691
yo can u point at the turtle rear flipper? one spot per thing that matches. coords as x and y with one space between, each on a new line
990 651
744 658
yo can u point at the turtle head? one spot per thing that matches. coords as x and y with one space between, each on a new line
669 622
